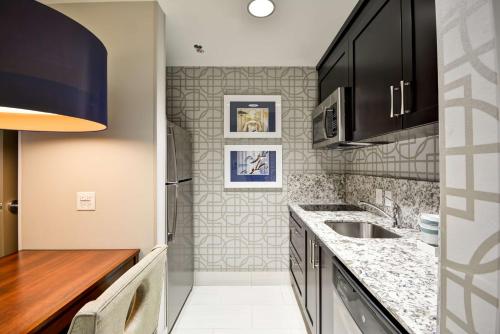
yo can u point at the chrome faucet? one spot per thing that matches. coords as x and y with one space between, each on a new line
396 211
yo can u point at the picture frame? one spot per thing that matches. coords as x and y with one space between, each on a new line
253 166
252 116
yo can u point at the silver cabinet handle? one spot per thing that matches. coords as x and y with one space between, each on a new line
392 101
310 251
403 84
315 260
313 251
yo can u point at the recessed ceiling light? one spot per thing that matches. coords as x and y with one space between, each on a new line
261 8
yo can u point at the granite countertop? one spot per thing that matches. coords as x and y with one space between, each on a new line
401 273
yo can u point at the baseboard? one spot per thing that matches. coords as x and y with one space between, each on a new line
241 278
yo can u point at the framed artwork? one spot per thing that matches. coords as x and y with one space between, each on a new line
252 116
252 166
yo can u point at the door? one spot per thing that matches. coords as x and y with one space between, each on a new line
376 69
311 282
421 90
8 192
180 254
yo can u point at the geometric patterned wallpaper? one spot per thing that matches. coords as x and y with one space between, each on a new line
248 230
470 183
243 230
415 158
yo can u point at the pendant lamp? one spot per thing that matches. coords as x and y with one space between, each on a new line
53 71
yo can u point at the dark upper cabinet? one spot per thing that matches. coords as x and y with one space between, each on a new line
376 66
335 72
391 53
424 80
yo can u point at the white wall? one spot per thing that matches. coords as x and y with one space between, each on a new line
161 150
119 164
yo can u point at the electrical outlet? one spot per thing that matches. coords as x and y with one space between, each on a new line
388 198
379 197
85 201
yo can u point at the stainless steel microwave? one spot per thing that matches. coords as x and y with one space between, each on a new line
329 122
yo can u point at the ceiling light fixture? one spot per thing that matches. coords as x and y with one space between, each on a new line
261 8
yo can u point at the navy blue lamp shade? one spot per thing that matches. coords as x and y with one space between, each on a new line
53 71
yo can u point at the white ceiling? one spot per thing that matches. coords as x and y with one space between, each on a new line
297 34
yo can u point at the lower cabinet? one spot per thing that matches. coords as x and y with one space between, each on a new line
297 258
297 276
312 277
312 280
311 274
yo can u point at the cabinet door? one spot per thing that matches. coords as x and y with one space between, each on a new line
335 71
311 283
422 92
326 292
376 65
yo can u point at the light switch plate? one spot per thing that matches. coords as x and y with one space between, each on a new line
85 201
379 197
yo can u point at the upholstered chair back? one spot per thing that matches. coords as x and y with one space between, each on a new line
130 305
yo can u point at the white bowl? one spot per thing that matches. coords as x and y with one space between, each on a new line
431 239
430 219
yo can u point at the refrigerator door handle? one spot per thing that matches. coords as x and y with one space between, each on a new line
171 134
171 234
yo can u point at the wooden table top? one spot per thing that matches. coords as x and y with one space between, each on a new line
37 285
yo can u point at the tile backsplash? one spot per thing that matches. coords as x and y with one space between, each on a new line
316 188
414 197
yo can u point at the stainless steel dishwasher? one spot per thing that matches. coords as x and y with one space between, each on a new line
354 310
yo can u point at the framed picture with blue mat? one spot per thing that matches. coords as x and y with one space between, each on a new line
252 166
252 116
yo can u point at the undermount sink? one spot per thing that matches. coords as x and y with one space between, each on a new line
330 207
361 230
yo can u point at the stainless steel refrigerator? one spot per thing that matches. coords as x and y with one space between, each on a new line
180 238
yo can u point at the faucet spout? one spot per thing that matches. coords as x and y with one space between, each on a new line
395 211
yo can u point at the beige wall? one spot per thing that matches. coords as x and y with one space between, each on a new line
118 163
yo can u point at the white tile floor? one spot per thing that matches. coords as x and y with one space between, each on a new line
241 310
